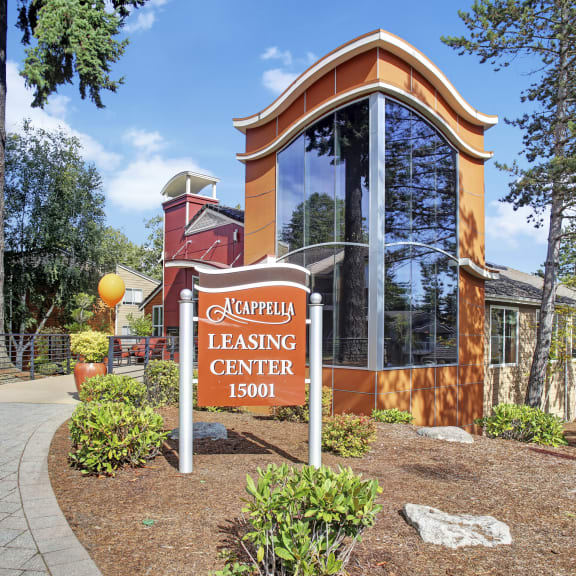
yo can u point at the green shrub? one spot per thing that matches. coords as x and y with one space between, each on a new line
302 413
91 346
47 368
304 522
162 379
392 416
348 435
113 388
109 435
523 423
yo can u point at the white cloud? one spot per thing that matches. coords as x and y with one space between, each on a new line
137 187
274 53
18 108
511 228
277 79
311 57
147 142
144 18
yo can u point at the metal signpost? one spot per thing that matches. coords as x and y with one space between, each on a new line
252 346
186 375
315 422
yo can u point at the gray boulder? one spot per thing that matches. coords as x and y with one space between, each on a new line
202 430
447 433
456 530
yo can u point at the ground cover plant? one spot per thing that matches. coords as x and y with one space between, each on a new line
108 435
304 521
113 388
348 435
523 423
302 413
162 379
392 416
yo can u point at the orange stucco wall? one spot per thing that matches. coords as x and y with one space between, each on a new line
438 395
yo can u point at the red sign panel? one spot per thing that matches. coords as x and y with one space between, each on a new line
252 336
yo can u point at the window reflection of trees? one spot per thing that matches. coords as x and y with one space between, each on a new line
421 283
323 198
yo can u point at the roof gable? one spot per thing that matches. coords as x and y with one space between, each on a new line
210 217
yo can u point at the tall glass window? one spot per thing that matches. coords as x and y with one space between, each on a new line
421 272
323 201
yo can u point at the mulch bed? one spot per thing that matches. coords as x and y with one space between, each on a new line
196 516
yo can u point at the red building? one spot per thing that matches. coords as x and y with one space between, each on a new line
199 233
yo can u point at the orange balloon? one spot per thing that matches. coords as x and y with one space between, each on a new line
111 289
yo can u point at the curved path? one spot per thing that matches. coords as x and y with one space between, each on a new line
35 539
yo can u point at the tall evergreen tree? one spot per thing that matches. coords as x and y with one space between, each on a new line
66 39
499 32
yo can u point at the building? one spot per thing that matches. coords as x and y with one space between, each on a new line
199 233
512 310
138 287
369 170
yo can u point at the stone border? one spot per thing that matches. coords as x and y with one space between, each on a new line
58 545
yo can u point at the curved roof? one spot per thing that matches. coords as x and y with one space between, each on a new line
381 39
187 182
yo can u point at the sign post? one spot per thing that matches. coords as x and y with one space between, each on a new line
185 464
252 343
315 422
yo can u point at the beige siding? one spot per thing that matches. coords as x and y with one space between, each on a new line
509 383
132 281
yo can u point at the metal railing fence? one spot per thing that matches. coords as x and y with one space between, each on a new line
30 356
130 355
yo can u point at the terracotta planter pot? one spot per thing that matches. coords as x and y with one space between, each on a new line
85 370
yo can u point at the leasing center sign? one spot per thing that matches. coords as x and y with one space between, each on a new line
252 336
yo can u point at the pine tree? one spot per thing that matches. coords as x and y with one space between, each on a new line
67 39
544 30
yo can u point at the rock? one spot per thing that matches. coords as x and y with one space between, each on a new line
202 430
456 530
447 433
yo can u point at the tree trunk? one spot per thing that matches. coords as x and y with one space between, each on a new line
544 334
353 332
3 37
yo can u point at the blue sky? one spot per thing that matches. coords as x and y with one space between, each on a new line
193 66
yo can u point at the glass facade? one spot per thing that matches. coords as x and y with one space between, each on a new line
323 216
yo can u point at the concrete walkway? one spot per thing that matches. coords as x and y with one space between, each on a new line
35 539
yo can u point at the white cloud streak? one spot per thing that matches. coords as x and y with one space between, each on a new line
277 79
147 142
143 19
510 227
274 53
137 187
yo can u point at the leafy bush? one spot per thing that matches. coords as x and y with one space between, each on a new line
523 423
92 346
348 435
162 379
302 413
304 522
113 388
392 416
47 368
141 326
109 435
